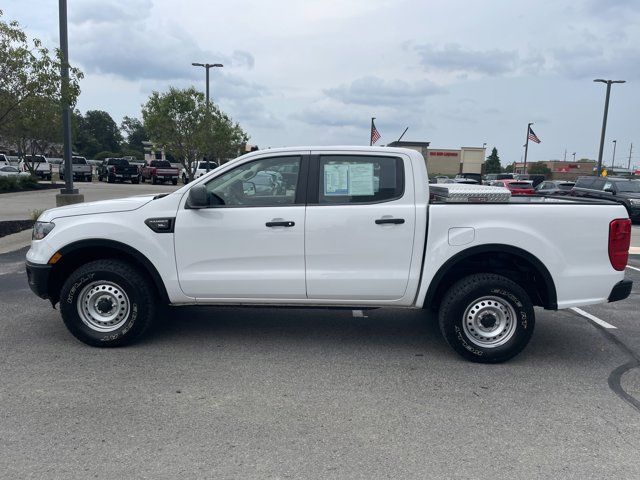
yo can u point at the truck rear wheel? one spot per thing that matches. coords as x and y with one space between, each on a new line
107 303
487 318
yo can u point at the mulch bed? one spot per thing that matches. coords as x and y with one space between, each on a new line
7 227
41 186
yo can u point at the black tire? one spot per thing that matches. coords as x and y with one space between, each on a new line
476 318
125 280
174 181
185 179
154 179
99 178
135 181
141 178
111 179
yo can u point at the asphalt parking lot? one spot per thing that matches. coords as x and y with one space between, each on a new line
288 393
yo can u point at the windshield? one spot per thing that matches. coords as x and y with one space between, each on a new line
520 185
9 169
203 165
78 161
32 159
118 161
565 186
161 164
632 186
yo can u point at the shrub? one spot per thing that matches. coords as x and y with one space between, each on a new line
8 183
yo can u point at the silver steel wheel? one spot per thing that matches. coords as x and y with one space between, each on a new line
489 322
103 306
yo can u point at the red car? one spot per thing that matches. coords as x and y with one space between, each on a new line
516 187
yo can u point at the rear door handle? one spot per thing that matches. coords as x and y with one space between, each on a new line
395 221
280 224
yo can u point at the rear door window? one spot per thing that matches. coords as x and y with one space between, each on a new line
348 179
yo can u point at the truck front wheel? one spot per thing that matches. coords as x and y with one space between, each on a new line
107 303
487 318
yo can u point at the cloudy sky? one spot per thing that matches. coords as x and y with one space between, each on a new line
297 72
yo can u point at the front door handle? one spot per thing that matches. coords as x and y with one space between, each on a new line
280 224
395 221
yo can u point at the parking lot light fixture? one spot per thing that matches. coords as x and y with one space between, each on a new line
604 118
207 66
613 159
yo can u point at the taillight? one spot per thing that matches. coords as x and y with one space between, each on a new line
619 241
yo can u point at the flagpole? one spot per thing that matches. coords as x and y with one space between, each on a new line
371 132
526 148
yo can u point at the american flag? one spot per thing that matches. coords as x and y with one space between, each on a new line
533 137
375 135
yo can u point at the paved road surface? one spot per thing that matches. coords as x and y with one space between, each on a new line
265 393
17 206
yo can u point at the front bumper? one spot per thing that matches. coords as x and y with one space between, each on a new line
620 290
38 277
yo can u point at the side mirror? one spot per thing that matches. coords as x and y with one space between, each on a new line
198 197
610 190
249 188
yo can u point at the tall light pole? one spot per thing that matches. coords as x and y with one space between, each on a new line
207 66
629 163
68 194
574 157
604 118
613 159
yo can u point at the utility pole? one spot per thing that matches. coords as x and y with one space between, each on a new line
613 159
630 150
565 155
604 118
574 157
526 149
68 194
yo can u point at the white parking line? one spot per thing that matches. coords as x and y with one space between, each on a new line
633 268
593 318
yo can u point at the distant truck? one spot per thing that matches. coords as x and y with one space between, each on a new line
159 171
80 168
118 169
37 165
201 169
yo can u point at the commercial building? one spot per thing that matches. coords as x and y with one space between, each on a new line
561 170
448 161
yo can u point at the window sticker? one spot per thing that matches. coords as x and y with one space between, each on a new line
361 179
336 179
349 179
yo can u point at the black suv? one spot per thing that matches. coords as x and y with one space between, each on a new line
622 190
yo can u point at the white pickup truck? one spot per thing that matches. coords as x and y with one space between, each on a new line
358 229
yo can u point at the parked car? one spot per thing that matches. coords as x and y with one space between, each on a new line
159 171
492 177
9 171
4 161
36 165
517 187
554 187
118 169
624 191
534 178
201 169
80 168
339 239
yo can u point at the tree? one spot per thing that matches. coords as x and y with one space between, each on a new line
509 168
97 132
27 71
135 133
538 168
180 122
492 164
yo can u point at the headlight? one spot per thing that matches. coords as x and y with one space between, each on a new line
41 230
634 201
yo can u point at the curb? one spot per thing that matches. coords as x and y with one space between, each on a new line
15 241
